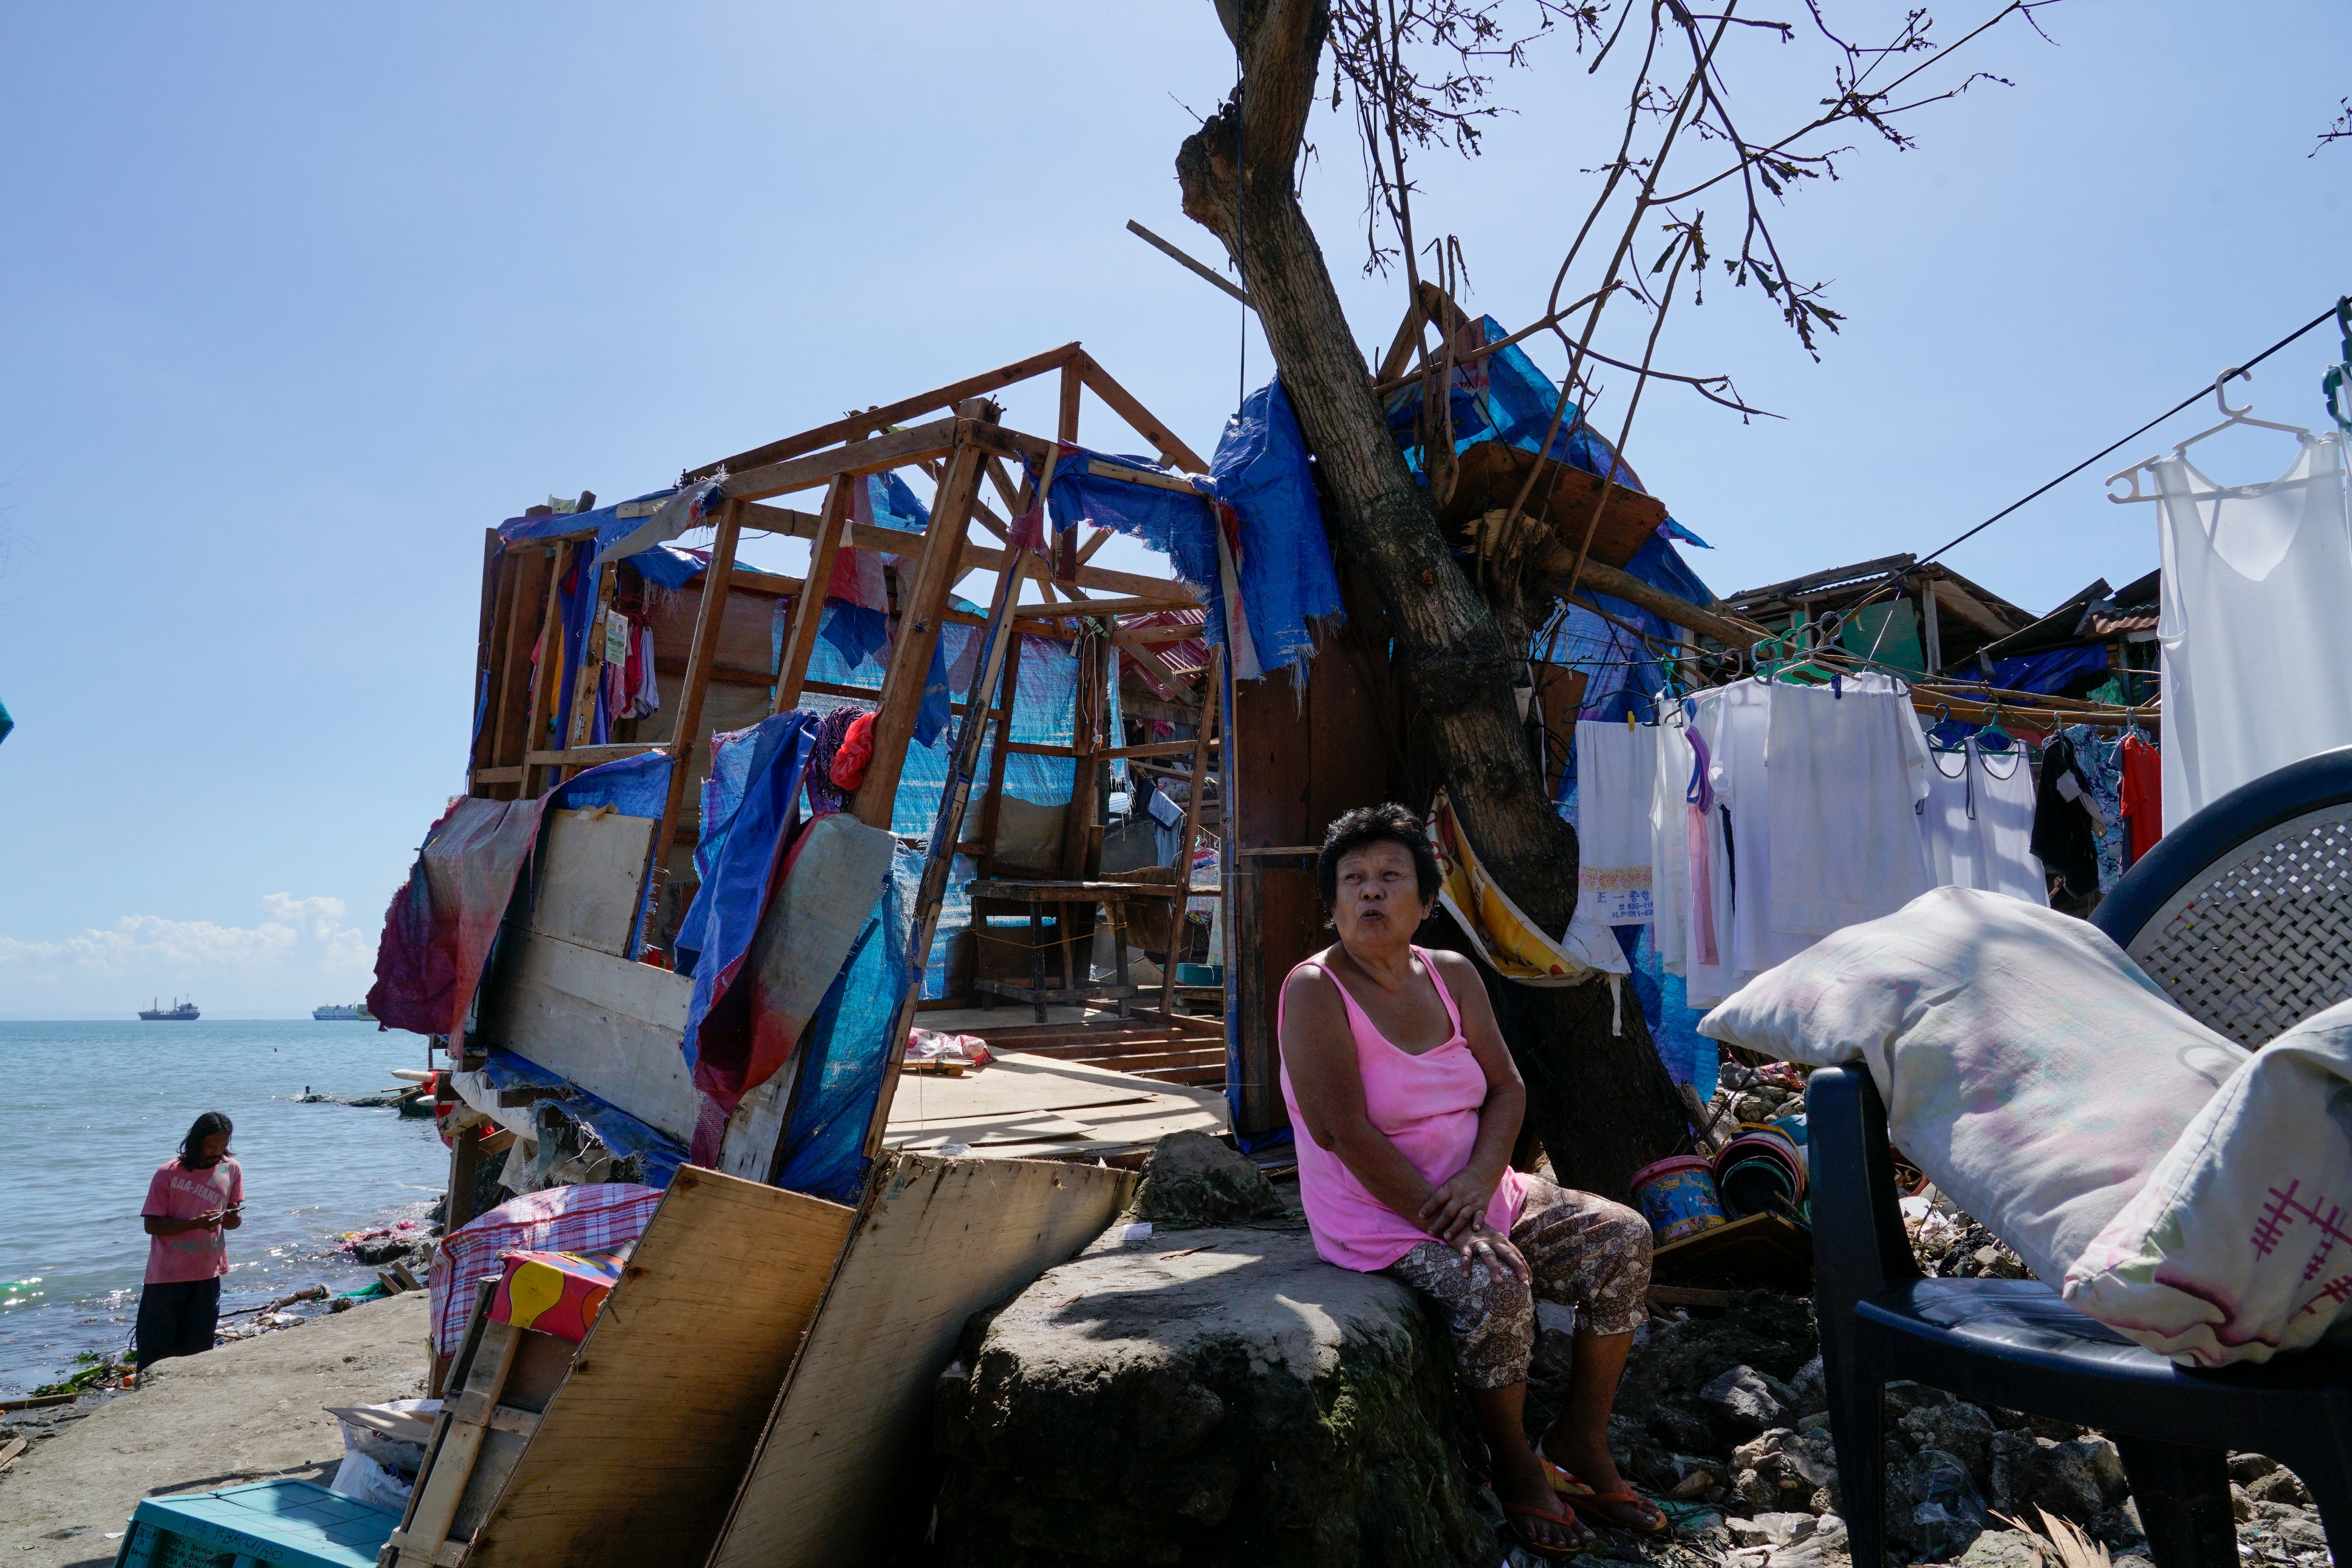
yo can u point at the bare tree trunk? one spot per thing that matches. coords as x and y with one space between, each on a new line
1603 1103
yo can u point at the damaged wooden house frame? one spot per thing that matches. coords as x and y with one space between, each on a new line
569 993
772 1352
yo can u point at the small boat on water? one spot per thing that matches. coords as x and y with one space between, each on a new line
178 1012
349 1012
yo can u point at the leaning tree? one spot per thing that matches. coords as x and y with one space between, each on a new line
1414 76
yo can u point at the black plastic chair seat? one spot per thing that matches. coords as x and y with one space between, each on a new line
2016 1344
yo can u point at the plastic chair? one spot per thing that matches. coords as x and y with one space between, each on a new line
2247 896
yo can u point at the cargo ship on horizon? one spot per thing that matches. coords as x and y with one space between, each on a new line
178 1012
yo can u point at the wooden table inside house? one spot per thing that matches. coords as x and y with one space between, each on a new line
1065 897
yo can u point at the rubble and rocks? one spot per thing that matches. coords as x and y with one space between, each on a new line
1194 1180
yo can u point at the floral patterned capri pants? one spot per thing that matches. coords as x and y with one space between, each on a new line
1584 1251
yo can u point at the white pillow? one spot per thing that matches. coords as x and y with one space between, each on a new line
2237 1247
2028 1066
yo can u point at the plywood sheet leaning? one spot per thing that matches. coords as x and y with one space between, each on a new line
594 877
608 1024
636 1455
936 1241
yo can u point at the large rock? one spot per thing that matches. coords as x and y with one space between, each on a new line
1193 1179
1227 1399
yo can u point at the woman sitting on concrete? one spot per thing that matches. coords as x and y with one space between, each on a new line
1394 1070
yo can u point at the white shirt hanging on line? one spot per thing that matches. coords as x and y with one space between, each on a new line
1616 774
1978 822
2254 626
1847 763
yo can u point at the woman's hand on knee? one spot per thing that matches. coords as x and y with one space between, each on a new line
1457 1206
1477 1244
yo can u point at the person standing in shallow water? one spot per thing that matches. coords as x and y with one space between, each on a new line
191 1203
1394 1068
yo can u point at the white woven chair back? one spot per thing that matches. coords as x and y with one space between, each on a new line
2262 939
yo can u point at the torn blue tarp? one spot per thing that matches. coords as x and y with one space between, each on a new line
1689 1056
577 603
849 1047
2049 672
641 1153
1283 559
1275 556
1502 396
749 804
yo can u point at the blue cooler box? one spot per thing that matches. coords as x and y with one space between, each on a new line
290 1524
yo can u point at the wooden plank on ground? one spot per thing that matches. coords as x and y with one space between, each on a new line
593 878
936 1240
608 1024
639 1451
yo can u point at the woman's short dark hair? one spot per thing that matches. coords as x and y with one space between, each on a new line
192 1147
1386 823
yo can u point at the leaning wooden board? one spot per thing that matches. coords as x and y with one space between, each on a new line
936 1240
639 1450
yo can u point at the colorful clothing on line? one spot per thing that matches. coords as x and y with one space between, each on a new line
2100 759
1584 1251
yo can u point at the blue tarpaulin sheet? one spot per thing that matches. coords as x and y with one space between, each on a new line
1622 672
1504 397
616 1128
849 1047
749 804
1284 560
2049 672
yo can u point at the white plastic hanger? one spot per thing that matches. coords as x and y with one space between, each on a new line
2233 417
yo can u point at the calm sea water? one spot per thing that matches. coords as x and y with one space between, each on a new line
95 1107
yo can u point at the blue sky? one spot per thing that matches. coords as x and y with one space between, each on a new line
301 300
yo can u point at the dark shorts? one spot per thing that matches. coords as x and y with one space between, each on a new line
177 1318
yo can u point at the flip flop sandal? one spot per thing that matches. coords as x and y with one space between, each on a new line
1516 1512
1599 1506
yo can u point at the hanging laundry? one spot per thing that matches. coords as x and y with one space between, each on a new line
2064 834
2100 758
1847 763
1739 744
642 675
1673 768
2256 646
2142 804
1979 821
1616 781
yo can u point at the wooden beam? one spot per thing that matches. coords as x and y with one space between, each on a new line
1153 636
976 558
991 804
1167 747
1198 268
1125 404
701 654
892 451
590 755
920 603
1601 579
1102 470
1107 607
857 426
1086 743
551 664
800 635
947 828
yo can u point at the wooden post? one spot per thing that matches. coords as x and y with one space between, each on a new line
588 685
989 677
920 608
464 1163
1066 428
551 667
1085 739
1930 630
1212 688
698 660
808 611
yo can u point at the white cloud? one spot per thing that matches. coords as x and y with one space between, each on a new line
299 941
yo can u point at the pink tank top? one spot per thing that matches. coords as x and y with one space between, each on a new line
1427 1105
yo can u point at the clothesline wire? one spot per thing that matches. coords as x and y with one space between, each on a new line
1896 581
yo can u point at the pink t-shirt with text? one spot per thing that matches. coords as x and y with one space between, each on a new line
179 1193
